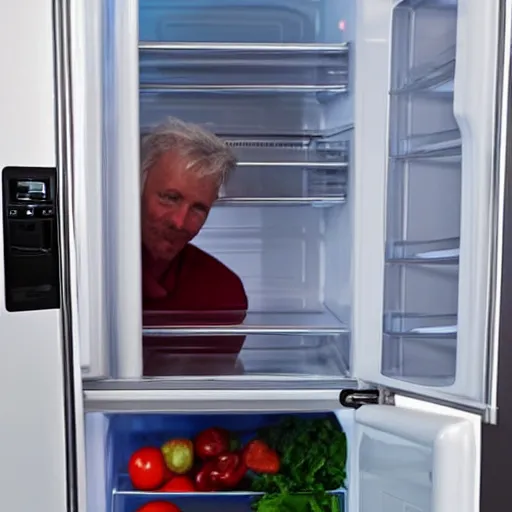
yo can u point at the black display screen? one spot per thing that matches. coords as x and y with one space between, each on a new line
33 191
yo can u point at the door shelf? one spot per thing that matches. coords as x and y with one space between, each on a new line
165 67
433 252
445 144
436 76
412 325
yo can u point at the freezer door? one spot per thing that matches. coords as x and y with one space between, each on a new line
404 460
428 196
101 183
31 362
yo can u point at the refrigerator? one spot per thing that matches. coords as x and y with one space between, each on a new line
366 218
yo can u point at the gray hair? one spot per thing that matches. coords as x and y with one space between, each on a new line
206 154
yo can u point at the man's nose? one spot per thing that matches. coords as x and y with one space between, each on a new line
179 216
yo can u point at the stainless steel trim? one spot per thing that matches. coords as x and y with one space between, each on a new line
166 88
64 131
470 406
498 205
244 47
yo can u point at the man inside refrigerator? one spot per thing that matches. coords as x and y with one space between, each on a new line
183 168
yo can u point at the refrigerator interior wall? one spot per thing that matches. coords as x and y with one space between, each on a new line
424 198
273 80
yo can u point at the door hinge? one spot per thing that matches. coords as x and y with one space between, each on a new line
355 398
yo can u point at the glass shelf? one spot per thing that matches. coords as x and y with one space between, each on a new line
446 144
327 153
198 502
281 357
435 77
233 323
284 185
433 252
246 113
287 171
243 67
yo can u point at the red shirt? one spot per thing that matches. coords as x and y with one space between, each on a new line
193 289
194 281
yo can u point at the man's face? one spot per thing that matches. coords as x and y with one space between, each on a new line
175 205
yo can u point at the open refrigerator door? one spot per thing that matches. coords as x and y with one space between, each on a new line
425 259
414 461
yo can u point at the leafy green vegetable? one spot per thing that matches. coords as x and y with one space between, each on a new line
313 455
297 503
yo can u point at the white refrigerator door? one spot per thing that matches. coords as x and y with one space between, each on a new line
425 198
31 362
102 186
404 460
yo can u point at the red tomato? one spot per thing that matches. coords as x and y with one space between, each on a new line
168 474
158 506
147 469
178 484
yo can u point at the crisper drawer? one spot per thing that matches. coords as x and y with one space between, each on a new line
311 454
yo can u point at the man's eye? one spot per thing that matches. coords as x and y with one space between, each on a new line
201 210
168 198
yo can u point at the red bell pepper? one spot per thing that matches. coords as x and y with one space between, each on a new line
212 442
222 472
260 458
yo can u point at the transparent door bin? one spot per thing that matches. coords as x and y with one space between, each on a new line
421 325
437 76
433 252
130 432
165 66
421 358
440 144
